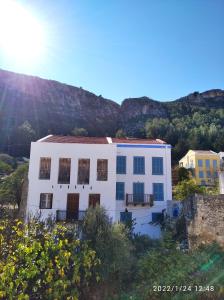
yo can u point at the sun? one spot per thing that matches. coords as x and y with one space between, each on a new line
21 35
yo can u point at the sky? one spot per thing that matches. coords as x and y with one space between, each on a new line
163 49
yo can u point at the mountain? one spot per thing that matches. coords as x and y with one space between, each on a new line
53 107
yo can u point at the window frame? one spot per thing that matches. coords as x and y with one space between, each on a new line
122 165
157 165
46 200
121 191
138 169
62 179
79 181
100 172
41 172
157 193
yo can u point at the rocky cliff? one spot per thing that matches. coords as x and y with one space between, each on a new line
53 107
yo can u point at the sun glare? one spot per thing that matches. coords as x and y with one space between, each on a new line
21 35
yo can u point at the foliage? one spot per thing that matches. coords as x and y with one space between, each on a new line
9 160
112 246
187 188
120 134
5 168
38 262
183 174
23 136
11 186
167 266
199 128
79 132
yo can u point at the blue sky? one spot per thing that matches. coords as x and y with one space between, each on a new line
163 49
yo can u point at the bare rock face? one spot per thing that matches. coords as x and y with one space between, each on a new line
50 106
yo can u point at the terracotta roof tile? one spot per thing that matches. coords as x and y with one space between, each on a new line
74 139
137 141
97 140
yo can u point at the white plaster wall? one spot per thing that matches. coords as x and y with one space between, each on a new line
106 189
143 214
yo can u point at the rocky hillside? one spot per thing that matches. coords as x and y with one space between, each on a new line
53 107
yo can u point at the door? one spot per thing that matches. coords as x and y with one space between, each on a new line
94 199
138 192
72 207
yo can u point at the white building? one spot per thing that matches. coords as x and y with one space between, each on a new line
221 173
129 177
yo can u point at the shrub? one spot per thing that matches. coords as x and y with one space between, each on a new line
37 262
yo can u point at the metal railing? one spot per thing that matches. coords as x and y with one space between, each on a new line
64 215
135 199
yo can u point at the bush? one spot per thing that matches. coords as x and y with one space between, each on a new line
37 262
113 248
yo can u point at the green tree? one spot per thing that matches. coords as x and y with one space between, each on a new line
8 160
112 246
79 132
38 262
5 168
11 186
120 134
186 188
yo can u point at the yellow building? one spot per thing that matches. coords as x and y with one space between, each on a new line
204 165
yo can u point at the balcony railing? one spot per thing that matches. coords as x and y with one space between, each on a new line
64 215
144 199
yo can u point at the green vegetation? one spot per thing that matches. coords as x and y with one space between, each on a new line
79 132
42 261
11 186
39 262
199 128
186 188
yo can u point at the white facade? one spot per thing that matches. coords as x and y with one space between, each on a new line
221 173
142 212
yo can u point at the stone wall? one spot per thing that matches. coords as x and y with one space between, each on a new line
204 215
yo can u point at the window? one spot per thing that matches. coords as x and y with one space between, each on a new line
208 173
83 171
215 174
158 191
157 166
203 182
200 163
214 164
64 170
139 165
45 168
121 164
138 192
102 169
94 199
119 190
201 174
157 217
207 163
125 216
46 201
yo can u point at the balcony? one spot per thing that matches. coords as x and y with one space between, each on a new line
134 199
64 215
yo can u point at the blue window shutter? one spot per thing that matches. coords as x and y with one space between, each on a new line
200 163
139 165
158 191
121 164
207 163
138 191
125 216
214 164
119 190
157 165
